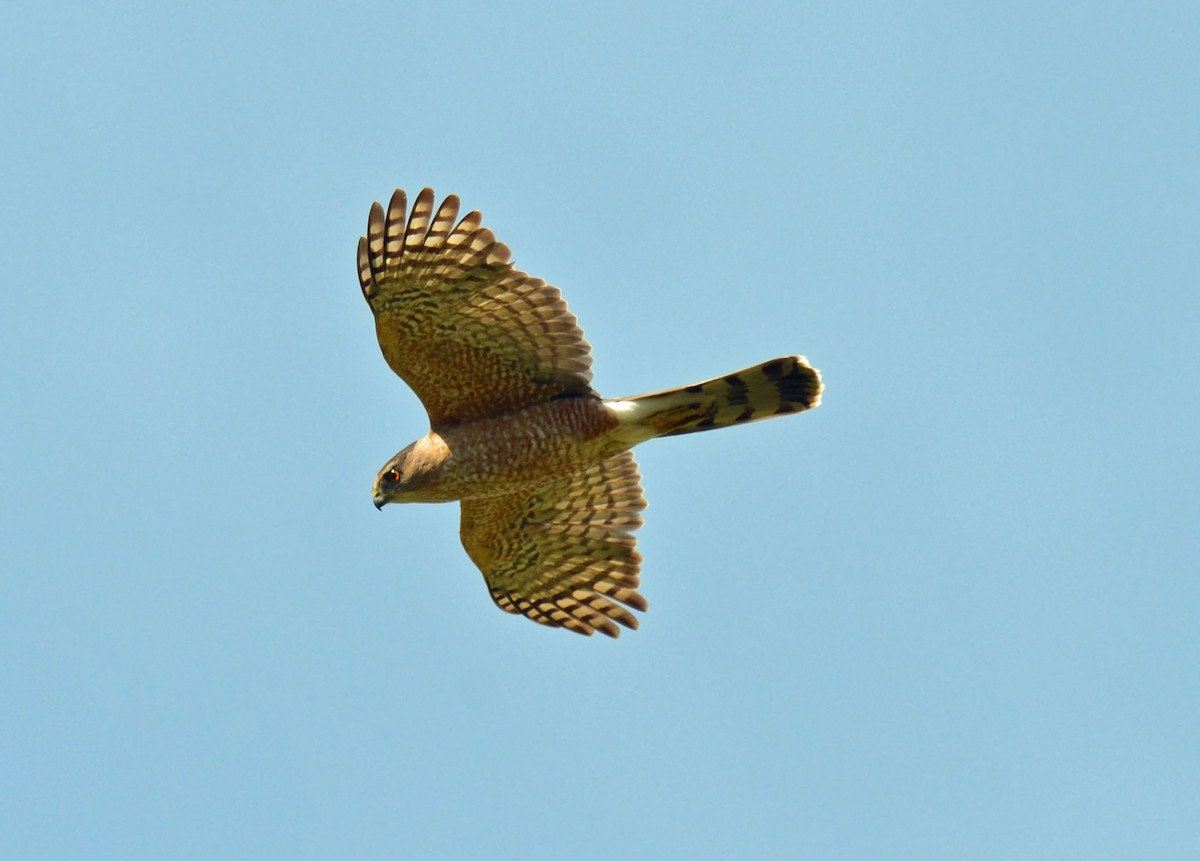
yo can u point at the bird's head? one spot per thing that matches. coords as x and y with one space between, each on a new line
412 474
389 484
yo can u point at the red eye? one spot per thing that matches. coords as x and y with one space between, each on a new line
393 475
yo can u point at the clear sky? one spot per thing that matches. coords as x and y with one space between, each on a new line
954 613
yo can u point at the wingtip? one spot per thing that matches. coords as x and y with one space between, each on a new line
366 279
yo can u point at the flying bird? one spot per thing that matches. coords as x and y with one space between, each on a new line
540 462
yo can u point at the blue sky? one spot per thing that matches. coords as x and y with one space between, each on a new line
950 614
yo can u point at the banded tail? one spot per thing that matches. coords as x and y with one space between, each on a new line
775 388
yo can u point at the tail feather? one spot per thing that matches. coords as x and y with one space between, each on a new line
778 387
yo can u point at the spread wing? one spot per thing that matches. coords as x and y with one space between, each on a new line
563 553
470 334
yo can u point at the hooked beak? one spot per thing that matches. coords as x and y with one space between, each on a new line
379 501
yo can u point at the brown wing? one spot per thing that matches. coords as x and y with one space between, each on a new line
563 553
470 334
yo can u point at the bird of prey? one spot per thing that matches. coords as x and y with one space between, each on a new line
539 461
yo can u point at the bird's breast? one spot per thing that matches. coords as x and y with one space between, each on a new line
523 448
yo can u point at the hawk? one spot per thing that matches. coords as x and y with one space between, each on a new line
539 462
